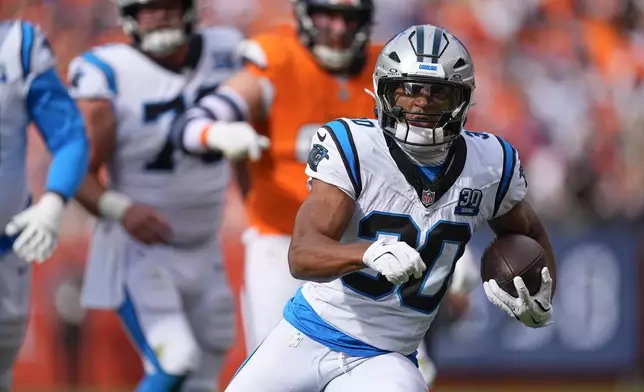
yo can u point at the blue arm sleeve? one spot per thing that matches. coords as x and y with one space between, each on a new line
61 125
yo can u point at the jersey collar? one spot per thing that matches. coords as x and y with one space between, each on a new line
429 192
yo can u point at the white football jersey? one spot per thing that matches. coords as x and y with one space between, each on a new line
146 166
362 313
24 54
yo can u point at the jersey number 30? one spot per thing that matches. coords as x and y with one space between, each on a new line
444 244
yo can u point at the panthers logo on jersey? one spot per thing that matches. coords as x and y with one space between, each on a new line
317 154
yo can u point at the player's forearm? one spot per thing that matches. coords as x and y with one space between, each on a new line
315 252
101 201
68 168
322 259
89 193
61 125
243 177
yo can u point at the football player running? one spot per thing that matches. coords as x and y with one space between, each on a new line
155 255
31 91
393 202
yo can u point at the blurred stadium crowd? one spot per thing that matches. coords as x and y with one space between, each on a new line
563 80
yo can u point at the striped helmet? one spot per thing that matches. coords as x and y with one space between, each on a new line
423 82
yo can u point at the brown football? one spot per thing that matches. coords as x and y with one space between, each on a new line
514 255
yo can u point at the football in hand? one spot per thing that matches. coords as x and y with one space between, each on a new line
514 255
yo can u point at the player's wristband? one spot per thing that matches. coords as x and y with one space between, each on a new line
204 136
195 137
112 205
52 201
56 193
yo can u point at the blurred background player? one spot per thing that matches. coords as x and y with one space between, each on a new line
155 254
294 81
31 91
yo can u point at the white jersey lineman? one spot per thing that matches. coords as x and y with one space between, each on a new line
31 92
362 319
175 297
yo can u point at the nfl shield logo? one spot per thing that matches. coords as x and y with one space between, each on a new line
427 198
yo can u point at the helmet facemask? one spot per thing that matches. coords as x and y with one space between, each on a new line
424 85
335 54
161 41
422 112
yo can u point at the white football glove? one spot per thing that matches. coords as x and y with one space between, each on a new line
395 260
533 311
37 228
236 140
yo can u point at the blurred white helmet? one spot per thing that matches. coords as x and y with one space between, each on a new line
161 41
424 61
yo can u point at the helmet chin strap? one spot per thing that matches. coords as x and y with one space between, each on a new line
424 155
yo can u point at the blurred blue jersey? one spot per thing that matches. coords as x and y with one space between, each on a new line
31 91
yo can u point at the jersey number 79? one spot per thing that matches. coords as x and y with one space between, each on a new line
164 160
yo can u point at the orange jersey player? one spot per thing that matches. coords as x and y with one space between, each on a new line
306 97
294 81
